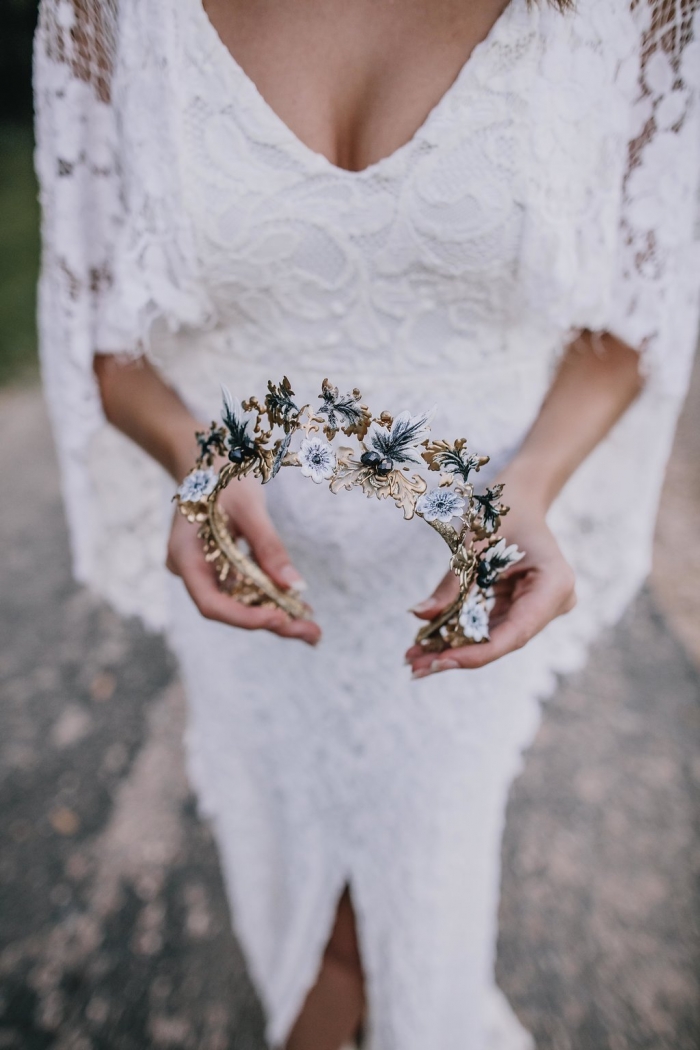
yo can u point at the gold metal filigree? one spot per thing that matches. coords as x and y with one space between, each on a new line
238 574
343 412
445 630
256 439
396 485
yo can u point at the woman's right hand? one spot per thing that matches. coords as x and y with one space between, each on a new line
244 503
138 401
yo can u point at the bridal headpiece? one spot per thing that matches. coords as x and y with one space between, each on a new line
260 438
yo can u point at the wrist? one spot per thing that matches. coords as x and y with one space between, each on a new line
182 449
528 491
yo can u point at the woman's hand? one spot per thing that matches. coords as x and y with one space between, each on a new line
598 378
531 593
244 504
138 402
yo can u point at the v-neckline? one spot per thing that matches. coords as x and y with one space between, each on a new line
319 159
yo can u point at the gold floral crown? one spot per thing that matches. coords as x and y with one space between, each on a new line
257 439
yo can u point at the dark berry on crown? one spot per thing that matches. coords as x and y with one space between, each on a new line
370 459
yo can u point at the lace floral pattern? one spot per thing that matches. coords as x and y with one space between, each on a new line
553 188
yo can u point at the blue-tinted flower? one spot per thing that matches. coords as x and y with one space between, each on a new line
197 486
474 617
317 459
440 505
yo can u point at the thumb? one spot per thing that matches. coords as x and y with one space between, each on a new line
269 551
445 592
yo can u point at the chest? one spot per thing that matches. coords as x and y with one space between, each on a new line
502 202
353 79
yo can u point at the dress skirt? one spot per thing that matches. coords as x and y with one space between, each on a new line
328 767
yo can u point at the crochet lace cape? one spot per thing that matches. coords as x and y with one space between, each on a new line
608 243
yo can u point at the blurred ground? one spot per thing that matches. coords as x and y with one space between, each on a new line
114 927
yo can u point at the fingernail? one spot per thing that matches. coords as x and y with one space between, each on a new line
443 665
422 607
291 577
422 673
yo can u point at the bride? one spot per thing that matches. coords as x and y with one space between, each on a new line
482 205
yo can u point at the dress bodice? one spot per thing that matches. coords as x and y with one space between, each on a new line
420 249
551 189
420 260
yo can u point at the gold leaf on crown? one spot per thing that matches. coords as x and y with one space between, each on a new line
256 439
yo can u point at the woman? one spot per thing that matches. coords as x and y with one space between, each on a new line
482 205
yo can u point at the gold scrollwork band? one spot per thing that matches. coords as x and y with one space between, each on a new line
256 438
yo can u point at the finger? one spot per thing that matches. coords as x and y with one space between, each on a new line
216 605
267 547
503 593
531 610
305 630
504 639
570 602
445 592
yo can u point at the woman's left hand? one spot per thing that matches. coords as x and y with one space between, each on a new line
531 593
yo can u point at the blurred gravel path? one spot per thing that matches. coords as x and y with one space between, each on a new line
114 932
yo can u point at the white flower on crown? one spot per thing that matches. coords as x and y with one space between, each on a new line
440 505
474 617
198 485
317 459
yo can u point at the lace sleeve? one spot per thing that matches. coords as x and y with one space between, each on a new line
117 250
77 160
115 257
655 304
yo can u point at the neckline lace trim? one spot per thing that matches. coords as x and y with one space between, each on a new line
242 81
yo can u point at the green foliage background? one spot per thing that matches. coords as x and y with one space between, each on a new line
19 213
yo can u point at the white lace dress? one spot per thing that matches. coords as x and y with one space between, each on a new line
553 188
